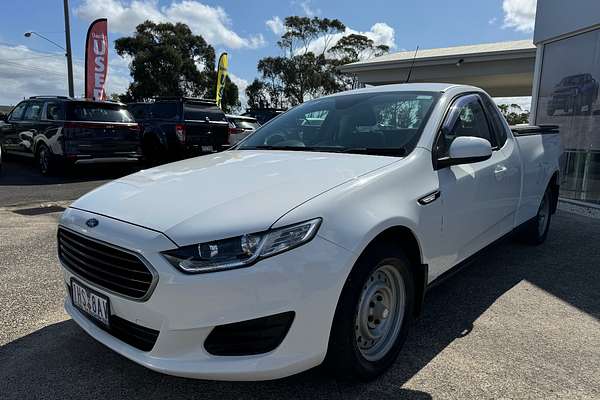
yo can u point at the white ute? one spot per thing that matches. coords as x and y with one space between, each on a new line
306 242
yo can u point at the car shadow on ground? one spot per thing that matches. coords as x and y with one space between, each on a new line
61 361
24 172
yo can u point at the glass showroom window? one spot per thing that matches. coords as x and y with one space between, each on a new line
568 97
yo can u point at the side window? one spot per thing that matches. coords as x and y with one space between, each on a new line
17 112
165 110
466 118
33 111
137 110
496 120
54 112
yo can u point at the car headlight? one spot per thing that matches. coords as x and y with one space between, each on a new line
242 250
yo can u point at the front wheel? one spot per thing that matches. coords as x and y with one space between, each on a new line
373 315
45 161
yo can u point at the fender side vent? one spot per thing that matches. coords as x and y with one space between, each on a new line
256 336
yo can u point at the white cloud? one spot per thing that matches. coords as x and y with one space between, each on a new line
276 26
519 14
492 21
242 84
380 33
212 23
306 6
24 73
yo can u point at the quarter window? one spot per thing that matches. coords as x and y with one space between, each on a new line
496 121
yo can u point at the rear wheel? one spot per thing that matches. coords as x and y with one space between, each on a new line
373 315
536 230
154 151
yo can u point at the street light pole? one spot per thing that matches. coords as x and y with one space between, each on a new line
68 44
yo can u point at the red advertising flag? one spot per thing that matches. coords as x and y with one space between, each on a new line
96 60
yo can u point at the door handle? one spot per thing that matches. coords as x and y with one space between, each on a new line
500 171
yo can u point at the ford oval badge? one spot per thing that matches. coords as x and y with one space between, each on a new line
92 222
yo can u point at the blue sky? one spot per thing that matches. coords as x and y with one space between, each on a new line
28 65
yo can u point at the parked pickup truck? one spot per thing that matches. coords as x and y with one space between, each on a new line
56 130
302 246
174 128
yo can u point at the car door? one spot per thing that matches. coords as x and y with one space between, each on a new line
29 127
470 193
13 127
507 172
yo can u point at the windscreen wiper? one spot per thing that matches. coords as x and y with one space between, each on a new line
379 151
268 147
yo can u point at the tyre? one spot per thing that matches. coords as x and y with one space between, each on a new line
535 231
373 315
154 152
45 160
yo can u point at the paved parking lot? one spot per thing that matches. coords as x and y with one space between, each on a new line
521 322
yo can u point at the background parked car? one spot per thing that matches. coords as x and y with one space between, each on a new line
56 129
174 128
263 115
240 127
574 92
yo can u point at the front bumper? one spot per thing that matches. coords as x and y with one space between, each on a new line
185 308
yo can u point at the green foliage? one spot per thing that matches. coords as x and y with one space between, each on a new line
355 47
300 73
169 60
514 114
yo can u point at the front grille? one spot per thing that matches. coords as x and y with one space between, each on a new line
108 267
252 337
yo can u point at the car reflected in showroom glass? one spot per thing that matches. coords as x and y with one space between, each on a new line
315 241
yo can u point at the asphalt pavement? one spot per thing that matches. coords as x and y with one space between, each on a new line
519 323
21 183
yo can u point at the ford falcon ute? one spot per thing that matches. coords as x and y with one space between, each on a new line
313 240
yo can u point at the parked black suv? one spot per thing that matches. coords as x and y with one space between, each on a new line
174 128
55 130
263 115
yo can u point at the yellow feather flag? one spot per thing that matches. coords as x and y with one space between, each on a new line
221 77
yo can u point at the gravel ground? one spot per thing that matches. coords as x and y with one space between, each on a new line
521 322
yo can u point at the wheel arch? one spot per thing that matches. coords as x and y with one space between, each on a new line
399 236
554 186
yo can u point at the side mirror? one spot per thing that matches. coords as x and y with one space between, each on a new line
466 150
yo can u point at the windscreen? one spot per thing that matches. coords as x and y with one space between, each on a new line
98 112
352 122
199 112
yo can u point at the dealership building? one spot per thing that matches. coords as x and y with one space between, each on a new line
560 70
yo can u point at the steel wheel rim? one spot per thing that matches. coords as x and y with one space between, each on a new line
543 214
380 313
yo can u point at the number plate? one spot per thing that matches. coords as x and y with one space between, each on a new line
207 148
90 302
